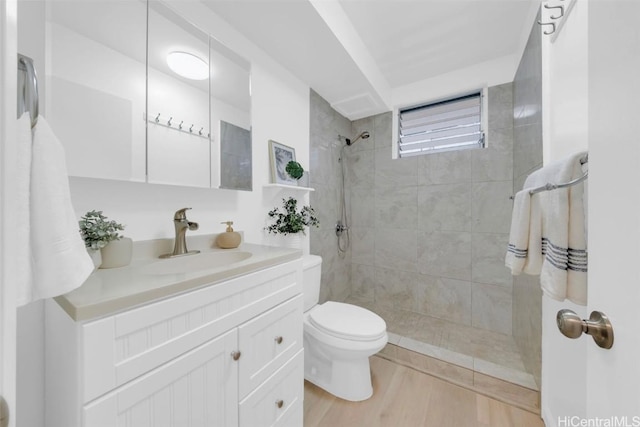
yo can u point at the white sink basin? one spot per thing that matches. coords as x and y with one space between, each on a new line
187 263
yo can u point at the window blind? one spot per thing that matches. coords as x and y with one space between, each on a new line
453 124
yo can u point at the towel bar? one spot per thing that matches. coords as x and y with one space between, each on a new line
550 186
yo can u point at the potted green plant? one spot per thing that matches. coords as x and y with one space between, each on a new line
100 236
294 169
288 220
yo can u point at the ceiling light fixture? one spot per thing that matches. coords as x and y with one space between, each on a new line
188 65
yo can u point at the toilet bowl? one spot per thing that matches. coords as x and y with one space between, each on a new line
339 338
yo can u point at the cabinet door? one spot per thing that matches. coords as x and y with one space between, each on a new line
268 341
199 388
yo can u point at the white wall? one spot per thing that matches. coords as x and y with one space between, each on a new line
30 326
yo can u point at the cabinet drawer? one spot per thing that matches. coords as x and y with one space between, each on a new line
119 348
268 341
286 385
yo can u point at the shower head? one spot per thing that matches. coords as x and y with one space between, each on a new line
363 135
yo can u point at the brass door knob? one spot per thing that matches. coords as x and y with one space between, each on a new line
236 355
279 403
598 326
278 339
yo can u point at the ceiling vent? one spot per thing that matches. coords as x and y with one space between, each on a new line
357 107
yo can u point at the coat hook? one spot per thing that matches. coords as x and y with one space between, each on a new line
158 118
191 128
180 125
169 122
561 7
553 27
200 131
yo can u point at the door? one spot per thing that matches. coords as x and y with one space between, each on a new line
582 383
565 131
8 82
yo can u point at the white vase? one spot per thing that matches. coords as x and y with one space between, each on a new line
96 257
293 241
117 253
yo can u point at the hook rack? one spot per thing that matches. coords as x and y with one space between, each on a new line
168 123
561 7
553 27
559 19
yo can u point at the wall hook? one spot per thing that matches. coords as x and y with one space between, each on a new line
553 27
180 125
169 122
191 128
200 131
561 7
158 118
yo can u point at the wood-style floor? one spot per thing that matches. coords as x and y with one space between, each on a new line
404 397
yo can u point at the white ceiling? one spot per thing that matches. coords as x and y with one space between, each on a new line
354 53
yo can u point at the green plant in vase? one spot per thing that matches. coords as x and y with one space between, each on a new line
290 220
97 231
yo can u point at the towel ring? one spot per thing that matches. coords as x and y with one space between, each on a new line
29 99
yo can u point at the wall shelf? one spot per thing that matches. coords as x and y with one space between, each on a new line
289 187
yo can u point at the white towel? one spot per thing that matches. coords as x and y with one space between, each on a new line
59 260
22 180
555 245
518 249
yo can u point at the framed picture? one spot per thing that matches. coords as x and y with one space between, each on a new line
280 155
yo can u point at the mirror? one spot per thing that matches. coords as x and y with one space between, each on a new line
178 131
125 110
95 86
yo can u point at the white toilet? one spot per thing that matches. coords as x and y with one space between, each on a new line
338 340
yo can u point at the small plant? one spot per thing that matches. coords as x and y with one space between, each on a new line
97 231
294 169
290 220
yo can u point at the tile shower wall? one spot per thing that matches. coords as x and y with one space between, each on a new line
429 232
527 157
326 124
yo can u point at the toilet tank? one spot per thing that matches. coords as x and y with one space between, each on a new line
311 272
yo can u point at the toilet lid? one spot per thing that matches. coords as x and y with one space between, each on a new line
347 321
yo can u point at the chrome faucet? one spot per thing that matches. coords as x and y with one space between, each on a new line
181 225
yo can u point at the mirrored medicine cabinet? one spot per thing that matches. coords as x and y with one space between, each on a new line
135 92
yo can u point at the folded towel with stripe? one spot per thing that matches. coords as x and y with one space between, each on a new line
548 232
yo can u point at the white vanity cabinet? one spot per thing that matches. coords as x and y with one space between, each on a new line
227 354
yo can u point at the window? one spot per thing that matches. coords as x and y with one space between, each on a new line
453 124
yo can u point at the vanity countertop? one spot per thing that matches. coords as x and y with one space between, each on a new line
109 291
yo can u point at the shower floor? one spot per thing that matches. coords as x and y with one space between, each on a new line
483 351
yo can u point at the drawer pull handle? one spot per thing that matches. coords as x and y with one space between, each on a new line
235 355
278 340
279 403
